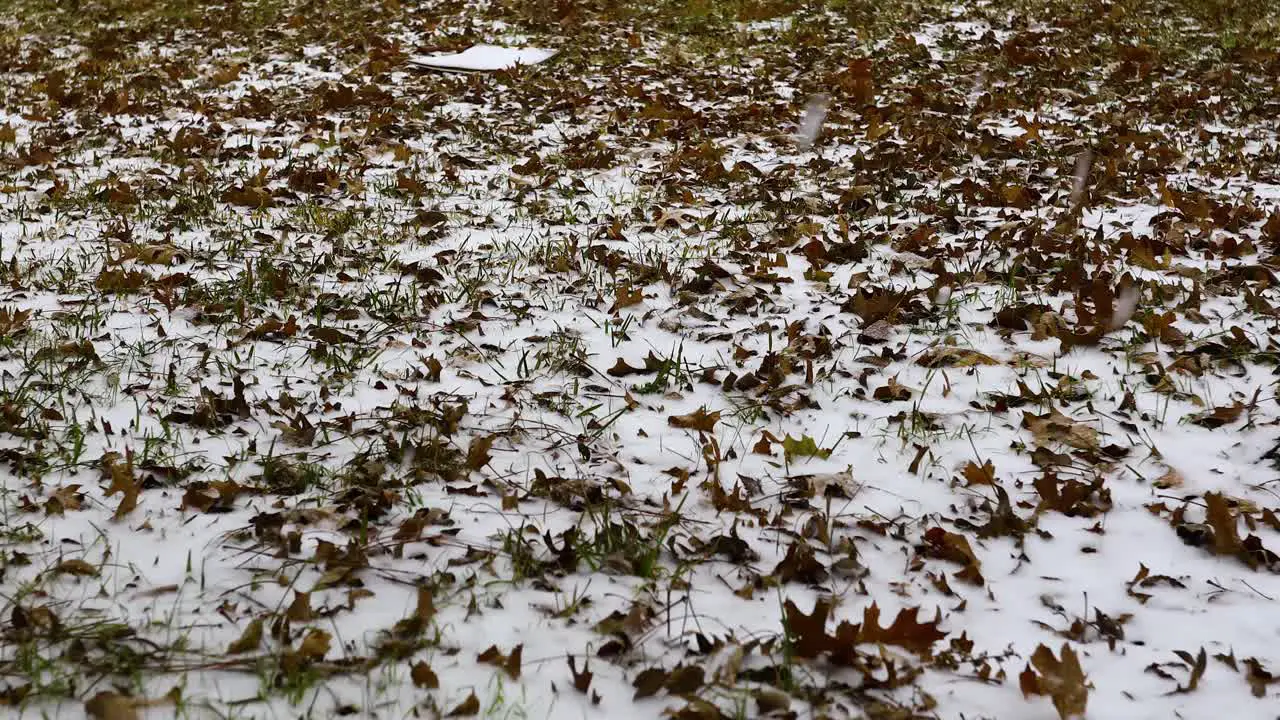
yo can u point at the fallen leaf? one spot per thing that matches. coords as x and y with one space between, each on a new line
905 631
581 680
111 706
975 474
300 609
954 547
1226 534
76 567
510 663
1056 427
478 452
804 446
1061 679
649 682
467 708
946 356
1219 416
315 645
249 640
699 420
423 676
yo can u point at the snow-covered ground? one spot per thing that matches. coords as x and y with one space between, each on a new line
330 386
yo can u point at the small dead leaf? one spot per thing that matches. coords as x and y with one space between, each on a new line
626 296
423 676
1218 515
699 420
685 680
478 452
947 356
1198 664
1056 427
467 708
975 474
249 640
906 631
510 663
315 645
300 609
1219 416
122 481
649 682
891 391
1171 478
1061 679
76 567
581 680
954 547
111 706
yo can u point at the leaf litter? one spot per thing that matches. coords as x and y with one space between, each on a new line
822 360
